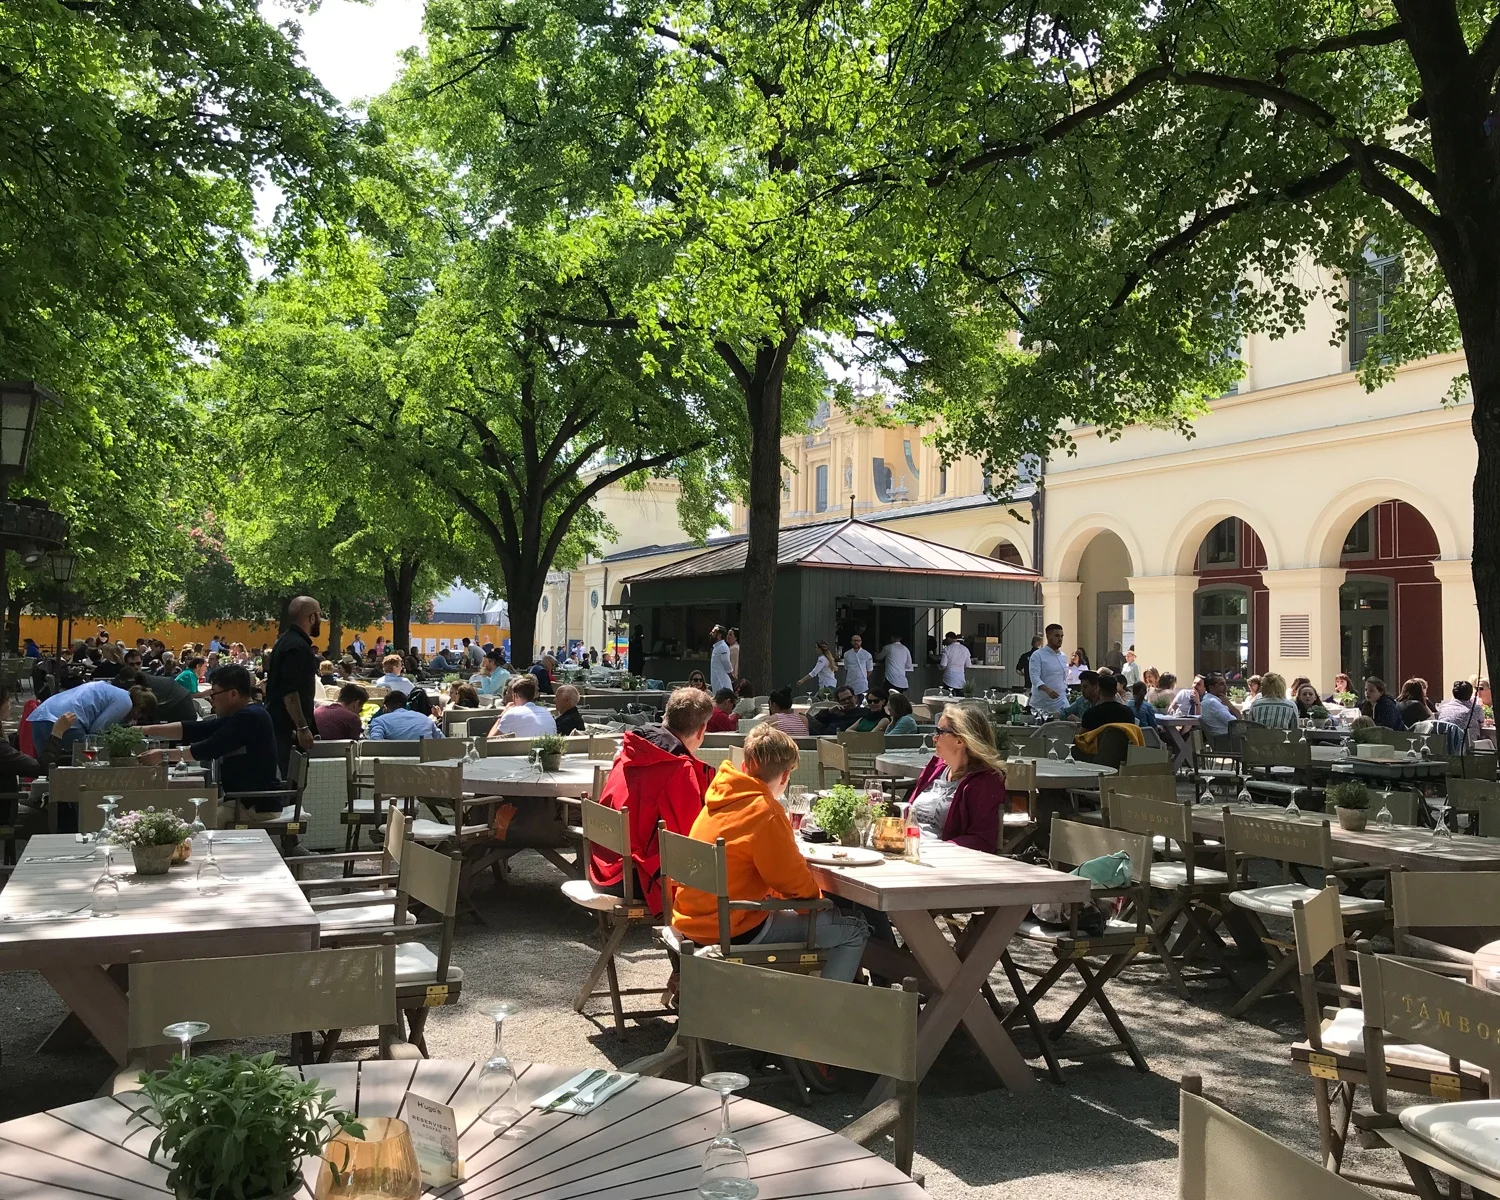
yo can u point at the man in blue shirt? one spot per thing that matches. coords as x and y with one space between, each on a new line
1215 710
403 719
97 705
238 739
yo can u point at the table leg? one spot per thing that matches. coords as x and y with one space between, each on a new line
960 974
98 1001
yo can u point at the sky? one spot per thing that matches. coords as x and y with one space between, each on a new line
354 48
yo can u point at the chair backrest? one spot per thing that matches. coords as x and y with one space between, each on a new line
686 862
372 751
1465 795
65 783
1474 766
456 720
1030 745
799 1016
1220 1157
500 747
430 878
863 744
604 745
1266 748
1155 787
1063 730
1413 1005
607 827
91 816
831 753
332 749
417 780
1139 770
1403 806
264 995
1445 900
1153 816
1075 842
1112 747
1309 843
437 749
1137 755
479 726
1319 926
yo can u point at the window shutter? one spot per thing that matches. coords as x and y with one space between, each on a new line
1296 635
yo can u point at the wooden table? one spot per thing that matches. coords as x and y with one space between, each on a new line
600 697
1178 733
1051 773
1386 769
1000 891
260 910
515 775
647 1141
1403 847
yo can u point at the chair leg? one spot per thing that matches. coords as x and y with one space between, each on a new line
614 994
1028 1010
416 1023
906 1128
331 1043
614 934
1278 972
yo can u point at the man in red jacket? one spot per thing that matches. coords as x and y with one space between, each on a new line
657 777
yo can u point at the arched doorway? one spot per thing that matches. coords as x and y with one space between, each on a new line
1390 604
1106 605
1231 607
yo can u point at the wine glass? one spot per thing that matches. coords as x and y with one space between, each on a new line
1052 753
1291 812
864 817
726 1168
1411 750
185 1032
108 806
90 750
1070 757
1245 797
197 826
1385 819
497 1078
210 874
1440 822
105 900
799 804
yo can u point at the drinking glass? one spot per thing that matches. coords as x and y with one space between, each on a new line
864 817
1291 811
105 901
1054 744
197 826
1070 757
185 1032
1411 751
726 1168
1385 819
90 751
108 806
497 1079
210 874
1245 797
799 805
1440 822
382 1163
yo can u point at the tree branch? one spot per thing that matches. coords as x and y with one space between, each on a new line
1384 36
1486 57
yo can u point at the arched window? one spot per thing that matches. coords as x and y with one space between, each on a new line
1370 292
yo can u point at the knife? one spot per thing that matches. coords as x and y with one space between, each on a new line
589 1079
595 1090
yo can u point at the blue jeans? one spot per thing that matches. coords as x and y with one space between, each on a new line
843 935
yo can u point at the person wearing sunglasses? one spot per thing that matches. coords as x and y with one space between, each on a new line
960 795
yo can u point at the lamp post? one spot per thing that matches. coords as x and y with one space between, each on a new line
26 527
63 562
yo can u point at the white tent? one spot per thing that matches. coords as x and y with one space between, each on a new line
464 606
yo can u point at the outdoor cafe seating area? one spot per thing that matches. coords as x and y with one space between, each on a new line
1350 888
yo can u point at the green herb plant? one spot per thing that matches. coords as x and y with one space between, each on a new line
1364 737
834 811
1352 795
123 740
237 1127
1161 703
549 744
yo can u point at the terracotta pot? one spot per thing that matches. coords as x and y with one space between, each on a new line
152 860
550 762
1352 819
849 837
182 852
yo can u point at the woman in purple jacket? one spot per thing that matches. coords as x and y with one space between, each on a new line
960 795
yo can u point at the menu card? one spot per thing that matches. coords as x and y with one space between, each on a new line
434 1136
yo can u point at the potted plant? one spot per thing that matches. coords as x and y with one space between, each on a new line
834 813
1161 703
1351 802
153 838
123 743
237 1128
549 750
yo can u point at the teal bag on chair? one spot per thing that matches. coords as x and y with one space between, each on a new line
1106 871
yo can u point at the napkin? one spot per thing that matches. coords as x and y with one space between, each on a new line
594 1094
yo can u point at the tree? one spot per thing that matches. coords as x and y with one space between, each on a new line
705 141
1136 184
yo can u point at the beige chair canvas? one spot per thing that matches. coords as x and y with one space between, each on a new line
841 1024
1445 916
1220 1157
833 760
1138 756
91 816
1018 829
455 820
861 750
1094 959
342 901
1306 843
263 995
616 915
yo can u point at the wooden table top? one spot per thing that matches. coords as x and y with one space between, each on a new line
1050 772
516 775
161 915
1402 846
1399 767
950 876
646 1141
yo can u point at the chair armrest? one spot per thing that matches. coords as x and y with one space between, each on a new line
356 882
1425 949
879 1121
373 935
405 1051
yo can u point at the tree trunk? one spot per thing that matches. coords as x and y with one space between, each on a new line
1484 376
399 577
523 594
335 630
763 407
12 610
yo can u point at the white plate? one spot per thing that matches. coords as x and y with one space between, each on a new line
829 855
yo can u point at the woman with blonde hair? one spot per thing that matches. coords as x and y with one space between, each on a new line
824 669
1271 707
960 795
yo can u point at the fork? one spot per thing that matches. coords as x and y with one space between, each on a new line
581 1106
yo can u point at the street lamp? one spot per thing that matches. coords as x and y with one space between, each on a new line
19 402
63 562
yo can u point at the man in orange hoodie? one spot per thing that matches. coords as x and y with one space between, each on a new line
658 778
743 806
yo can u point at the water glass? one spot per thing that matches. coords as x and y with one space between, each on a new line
198 826
105 900
497 1078
1440 823
1385 819
107 807
210 874
726 1167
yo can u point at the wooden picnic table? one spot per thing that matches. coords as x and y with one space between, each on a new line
645 1141
516 775
1052 774
1331 758
1178 733
260 910
1402 847
999 891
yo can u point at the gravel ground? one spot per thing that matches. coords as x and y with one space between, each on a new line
1107 1129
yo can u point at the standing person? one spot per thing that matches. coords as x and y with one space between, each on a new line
732 636
857 666
291 678
1049 674
824 669
1023 664
635 651
954 660
473 655
1131 671
896 660
720 673
357 648
1114 658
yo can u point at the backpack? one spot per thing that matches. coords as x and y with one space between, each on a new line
1106 871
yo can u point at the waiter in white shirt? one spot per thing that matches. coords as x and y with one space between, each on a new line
955 661
857 665
897 660
720 674
1049 674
